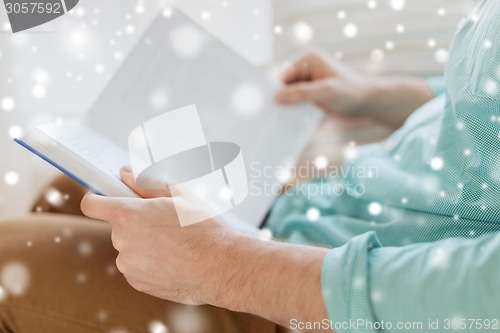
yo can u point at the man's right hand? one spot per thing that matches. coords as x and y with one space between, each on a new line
318 78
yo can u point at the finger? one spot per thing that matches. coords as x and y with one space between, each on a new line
102 208
298 71
302 68
288 74
302 92
128 178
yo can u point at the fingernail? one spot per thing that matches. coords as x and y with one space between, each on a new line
127 169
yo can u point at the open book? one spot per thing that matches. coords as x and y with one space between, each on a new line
82 154
177 63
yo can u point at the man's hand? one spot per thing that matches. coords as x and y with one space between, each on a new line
208 263
157 255
318 78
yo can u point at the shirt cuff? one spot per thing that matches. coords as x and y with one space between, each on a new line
345 285
437 84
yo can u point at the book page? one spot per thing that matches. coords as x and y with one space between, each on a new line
89 146
176 63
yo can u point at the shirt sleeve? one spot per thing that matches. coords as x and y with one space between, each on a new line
429 287
437 84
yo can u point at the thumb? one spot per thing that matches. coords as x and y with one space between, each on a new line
128 178
301 92
102 208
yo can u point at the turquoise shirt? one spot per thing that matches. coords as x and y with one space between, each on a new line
413 223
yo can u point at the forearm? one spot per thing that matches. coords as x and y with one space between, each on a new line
273 280
392 99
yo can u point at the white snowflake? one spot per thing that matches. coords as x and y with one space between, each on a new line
167 12
130 29
157 326
303 32
377 55
375 208
11 178
377 296
39 91
313 214
441 55
3 294
102 315
118 330
81 278
248 99
491 87
358 282
85 248
118 56
265 234
437 163
186 41
159 99
439 258
372 4
78 38
225 194
321 162
397 4
15 131
54 197
8 104
350 30
139 8
80 11
15 278
99 68
41 76
206 15
351 152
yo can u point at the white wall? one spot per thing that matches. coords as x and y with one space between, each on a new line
376 25
70 60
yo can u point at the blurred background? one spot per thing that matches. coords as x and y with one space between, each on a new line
56 71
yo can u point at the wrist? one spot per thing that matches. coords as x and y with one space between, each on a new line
220 268
371 92
274 280
392 99
379 88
